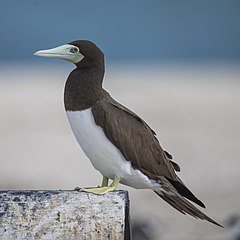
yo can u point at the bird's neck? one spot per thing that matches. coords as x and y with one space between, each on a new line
83 88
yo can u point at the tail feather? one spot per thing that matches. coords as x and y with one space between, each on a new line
183 206
185 192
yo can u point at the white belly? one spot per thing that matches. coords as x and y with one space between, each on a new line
104 156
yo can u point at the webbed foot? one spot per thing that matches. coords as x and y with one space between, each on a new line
104 189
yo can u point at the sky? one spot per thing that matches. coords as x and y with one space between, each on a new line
135 30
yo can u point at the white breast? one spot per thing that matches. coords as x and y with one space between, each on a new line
104 156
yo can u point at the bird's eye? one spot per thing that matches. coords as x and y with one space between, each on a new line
74 50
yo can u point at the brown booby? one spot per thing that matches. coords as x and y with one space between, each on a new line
119 144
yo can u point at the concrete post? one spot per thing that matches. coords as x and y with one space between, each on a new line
64 215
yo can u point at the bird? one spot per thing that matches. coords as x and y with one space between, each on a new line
118 142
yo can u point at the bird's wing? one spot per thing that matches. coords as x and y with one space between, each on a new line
168 155
138 144
134 138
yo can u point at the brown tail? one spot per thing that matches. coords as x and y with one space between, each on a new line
183 206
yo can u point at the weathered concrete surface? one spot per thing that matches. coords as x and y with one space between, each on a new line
63 215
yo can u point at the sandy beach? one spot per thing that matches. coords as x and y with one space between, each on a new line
195 111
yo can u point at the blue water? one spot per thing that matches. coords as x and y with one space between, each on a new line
125 30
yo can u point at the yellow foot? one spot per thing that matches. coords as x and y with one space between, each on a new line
103 190
99 190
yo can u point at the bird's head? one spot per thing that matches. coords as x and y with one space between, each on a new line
82 53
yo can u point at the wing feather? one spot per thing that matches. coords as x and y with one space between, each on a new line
134 138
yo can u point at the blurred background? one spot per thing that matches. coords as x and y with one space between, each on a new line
175 63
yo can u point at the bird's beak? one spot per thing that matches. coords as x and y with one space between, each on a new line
67 52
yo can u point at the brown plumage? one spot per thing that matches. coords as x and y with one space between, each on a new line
130 134
138 143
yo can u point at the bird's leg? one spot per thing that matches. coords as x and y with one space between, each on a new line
104 184
105 181
104 189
